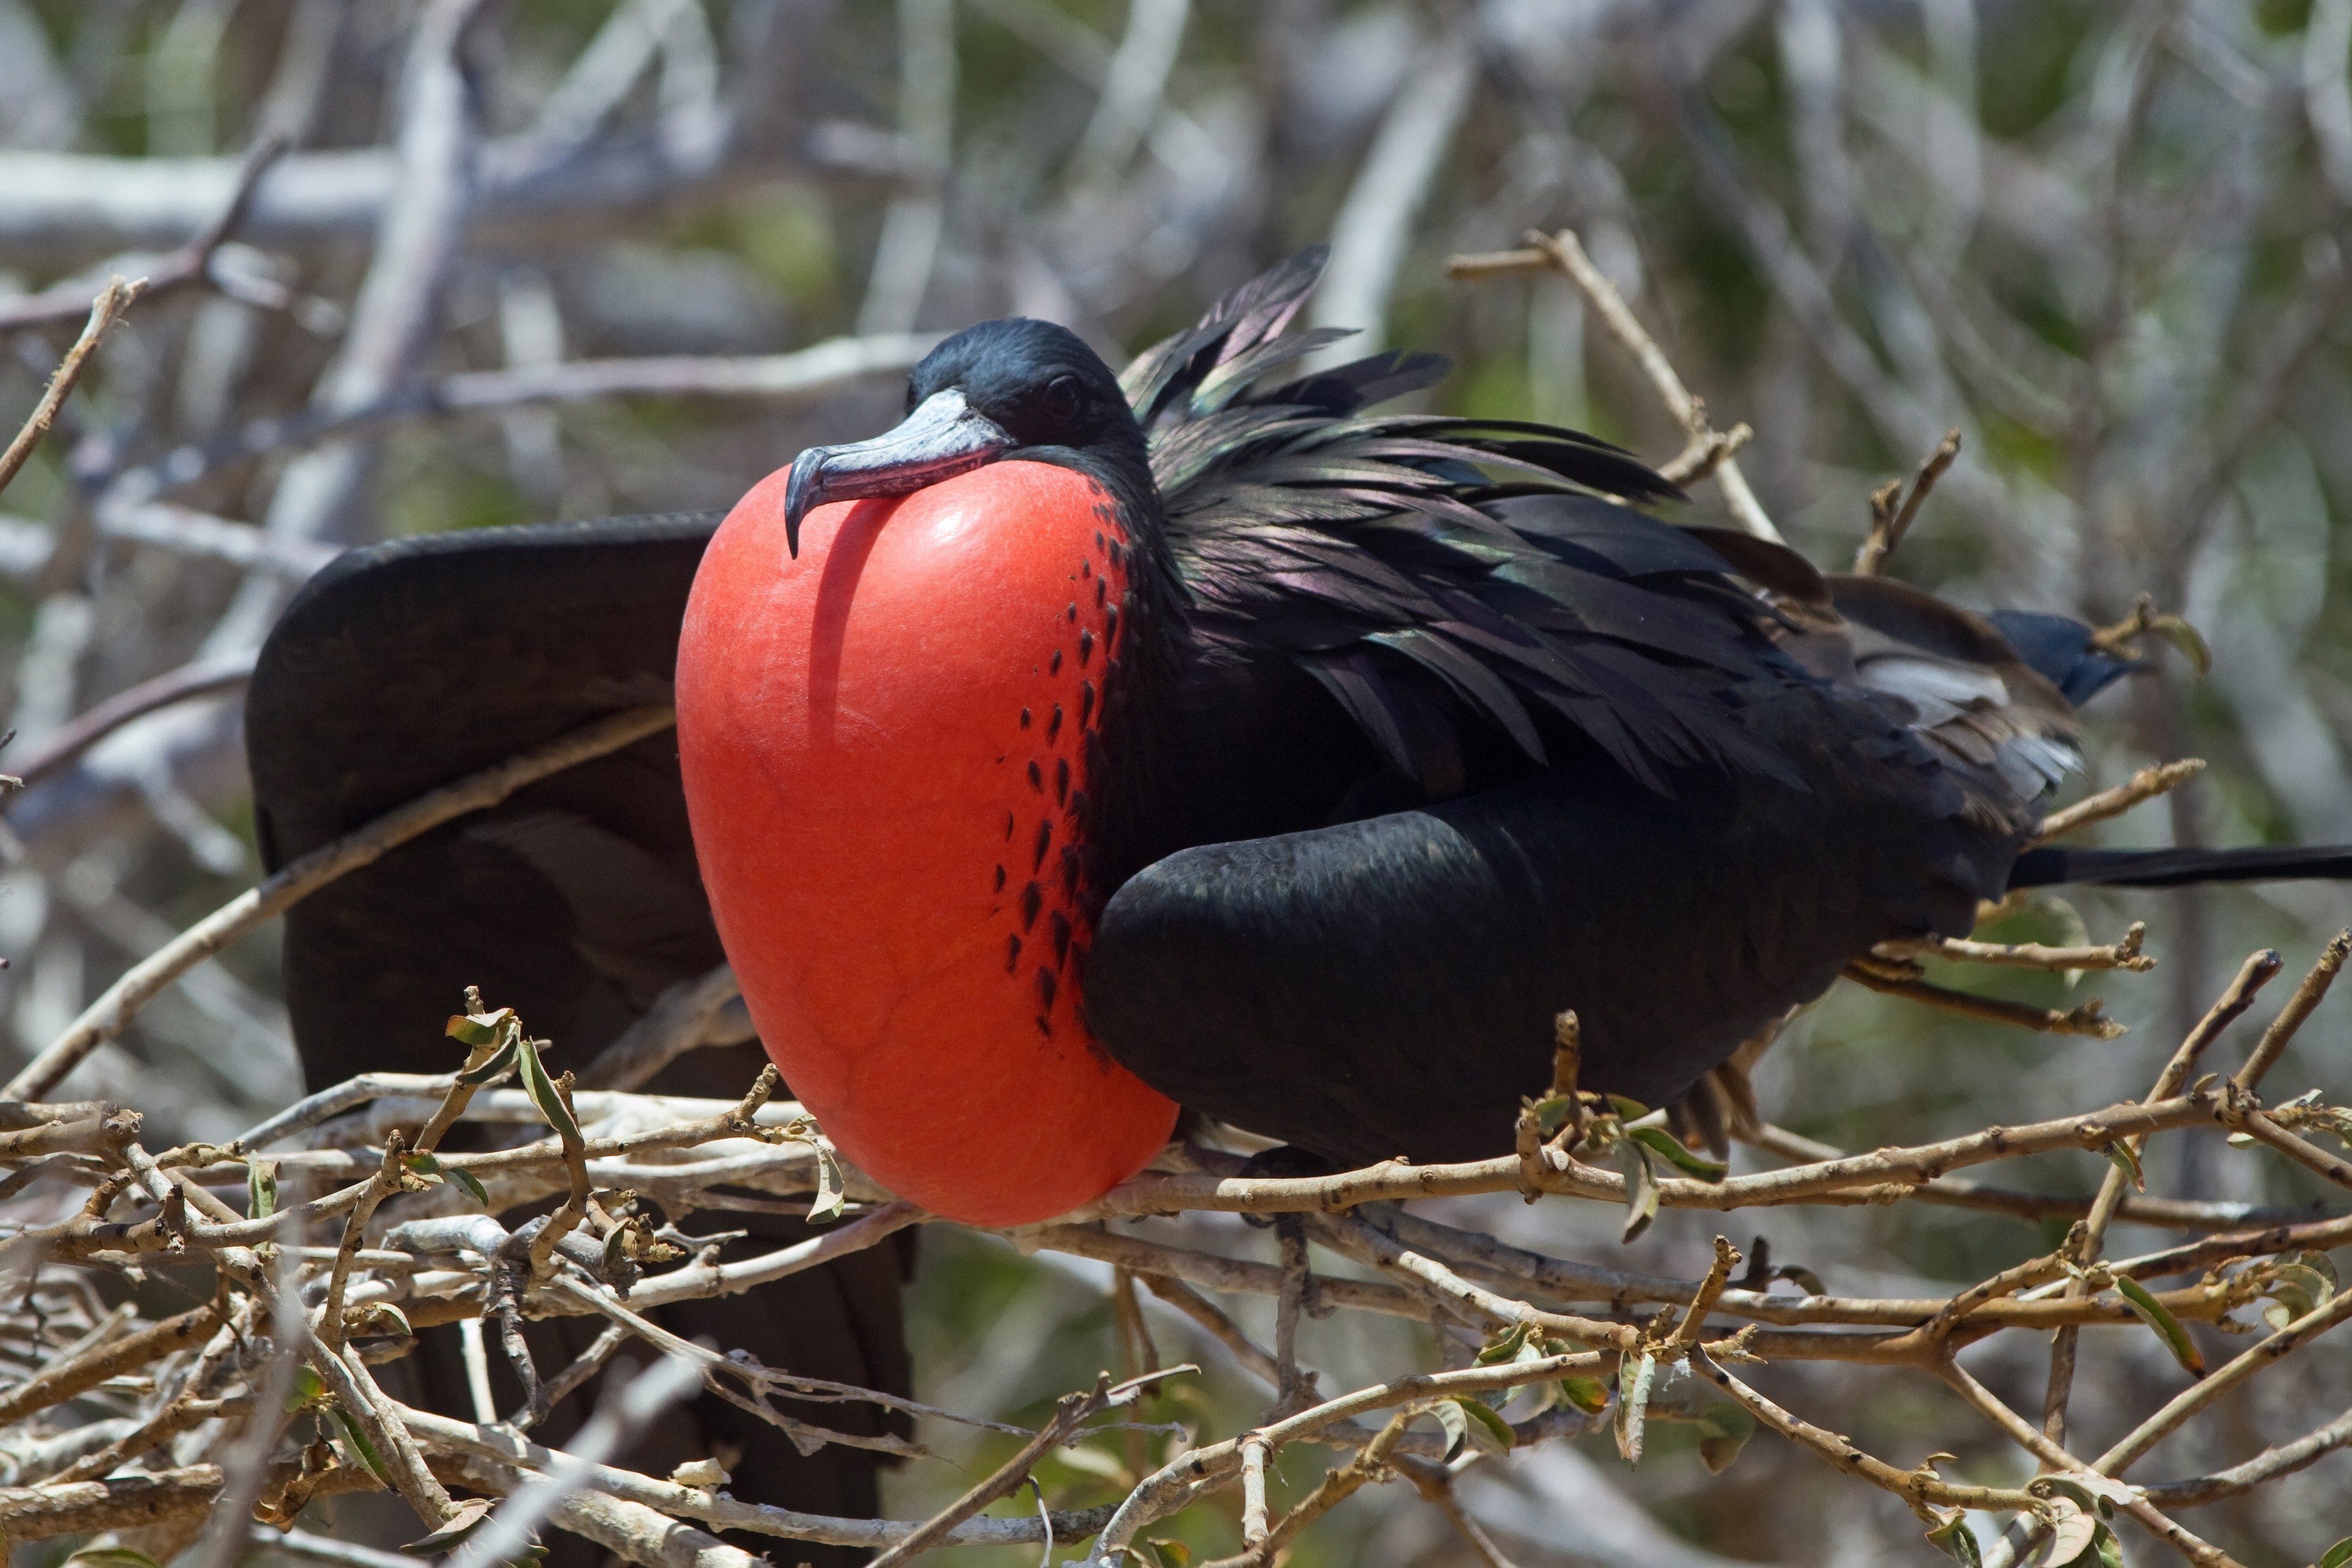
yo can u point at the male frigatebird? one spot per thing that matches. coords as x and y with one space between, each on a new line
1089 746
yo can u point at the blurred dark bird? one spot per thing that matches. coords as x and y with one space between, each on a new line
1089 746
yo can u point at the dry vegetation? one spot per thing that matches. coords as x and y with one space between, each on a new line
444 263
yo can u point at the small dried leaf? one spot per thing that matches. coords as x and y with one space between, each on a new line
702 1475
383 1318
1450 1416
542 1092
2072 1533
1489 1433
475 1030
2094 1494
468 1516
261 1188
1633 1404
1804 1278
2298 1283
500 1061
2185 638
830 1200
2167 1328
1955 1539
1641 1187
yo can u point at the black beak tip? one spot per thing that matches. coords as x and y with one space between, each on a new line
800 494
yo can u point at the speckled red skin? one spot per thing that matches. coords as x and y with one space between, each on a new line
873 739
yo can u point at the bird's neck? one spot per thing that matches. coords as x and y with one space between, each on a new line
1140 677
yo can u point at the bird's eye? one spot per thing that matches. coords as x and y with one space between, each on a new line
1062 396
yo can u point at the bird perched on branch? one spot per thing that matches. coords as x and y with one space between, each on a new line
1091 746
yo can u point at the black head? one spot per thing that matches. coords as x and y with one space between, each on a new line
1000 389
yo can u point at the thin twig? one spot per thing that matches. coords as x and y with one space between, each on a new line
2146 784
2084 1020
104 312
1564 253
1888 522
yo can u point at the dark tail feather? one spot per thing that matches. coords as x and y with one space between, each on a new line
2181 867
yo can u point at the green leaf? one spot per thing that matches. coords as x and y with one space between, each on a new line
475 1030
1633 1404
1171 1553
1450 1416
114 1557
1631 1109
2109 1550
1668 1147
1506 1345
1589 1394
307 1392
467 1180
1640 1186
2337 1555
2119 1154
1724 1430
261 1188
1553 1110
423 1166
2167 1328
543 1092
1489 1433
453 1530
500 1061
1955 1539
358 1439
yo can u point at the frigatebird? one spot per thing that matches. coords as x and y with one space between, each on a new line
1090 746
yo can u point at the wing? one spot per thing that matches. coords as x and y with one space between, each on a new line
406 665
1438 578
1443 579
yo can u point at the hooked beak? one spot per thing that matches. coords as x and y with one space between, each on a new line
944 437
